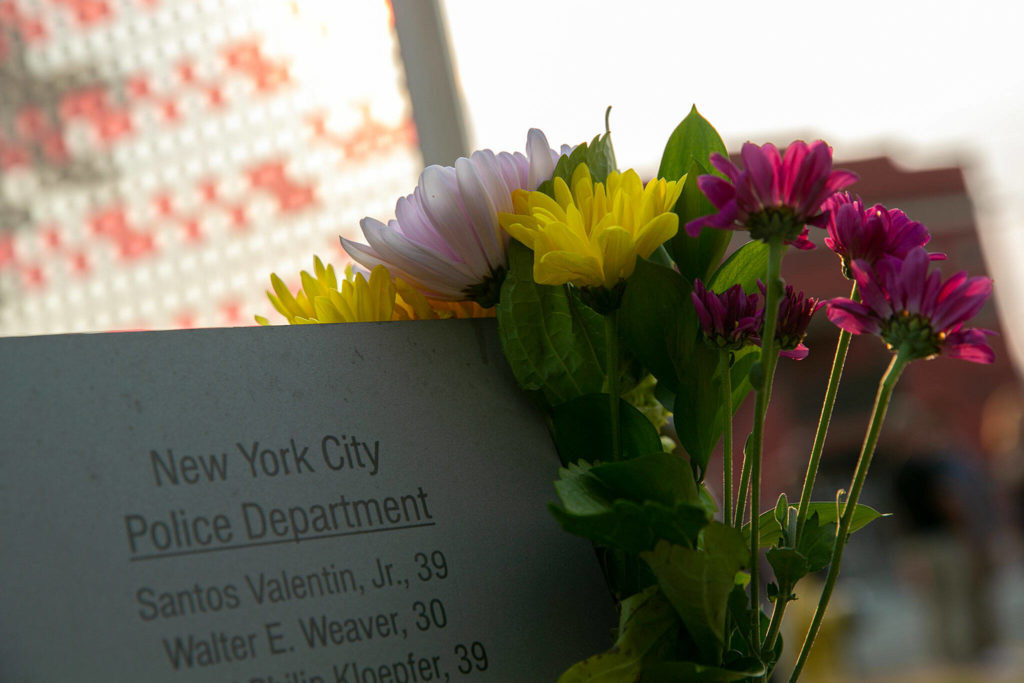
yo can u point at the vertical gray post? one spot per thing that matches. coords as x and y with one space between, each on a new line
436 102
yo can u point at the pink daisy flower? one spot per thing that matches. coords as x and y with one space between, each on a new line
909 307
729 320
773 195
795 313
856 233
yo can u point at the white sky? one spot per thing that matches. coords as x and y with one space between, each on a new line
925 82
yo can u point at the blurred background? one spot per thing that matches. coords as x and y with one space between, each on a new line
159 158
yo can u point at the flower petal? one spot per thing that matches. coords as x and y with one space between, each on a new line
446 238
559 267
660 230
480 209
618 255
853 317
799 353
542 160
443 204
969 345
761 173
718 191
428 270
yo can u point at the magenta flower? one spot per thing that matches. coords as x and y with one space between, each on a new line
856 233
774 196
912 309
795 313
729 320
446 240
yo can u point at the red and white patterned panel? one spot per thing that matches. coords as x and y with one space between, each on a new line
159 158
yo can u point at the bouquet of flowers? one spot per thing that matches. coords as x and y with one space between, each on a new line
623 320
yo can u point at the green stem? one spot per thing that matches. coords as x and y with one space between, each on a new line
776 621
885 387
611 335
842 346
726 371
769 358
741 494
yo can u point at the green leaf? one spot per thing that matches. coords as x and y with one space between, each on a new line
769 531
697 411
631 504
599 156
790 565
661 477
688 151
816 542
698 583
697 257
646 397
673 672
648 628
624 572
782 510
659 327
694 139
744 646
660 257
657 321
553 343
582 430
745 267
813 552
743 360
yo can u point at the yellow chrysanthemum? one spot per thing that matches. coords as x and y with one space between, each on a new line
380 298
590 235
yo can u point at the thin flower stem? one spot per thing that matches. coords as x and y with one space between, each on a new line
611 334
885 387
842 346
741 495
769 358
723 367
776 621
